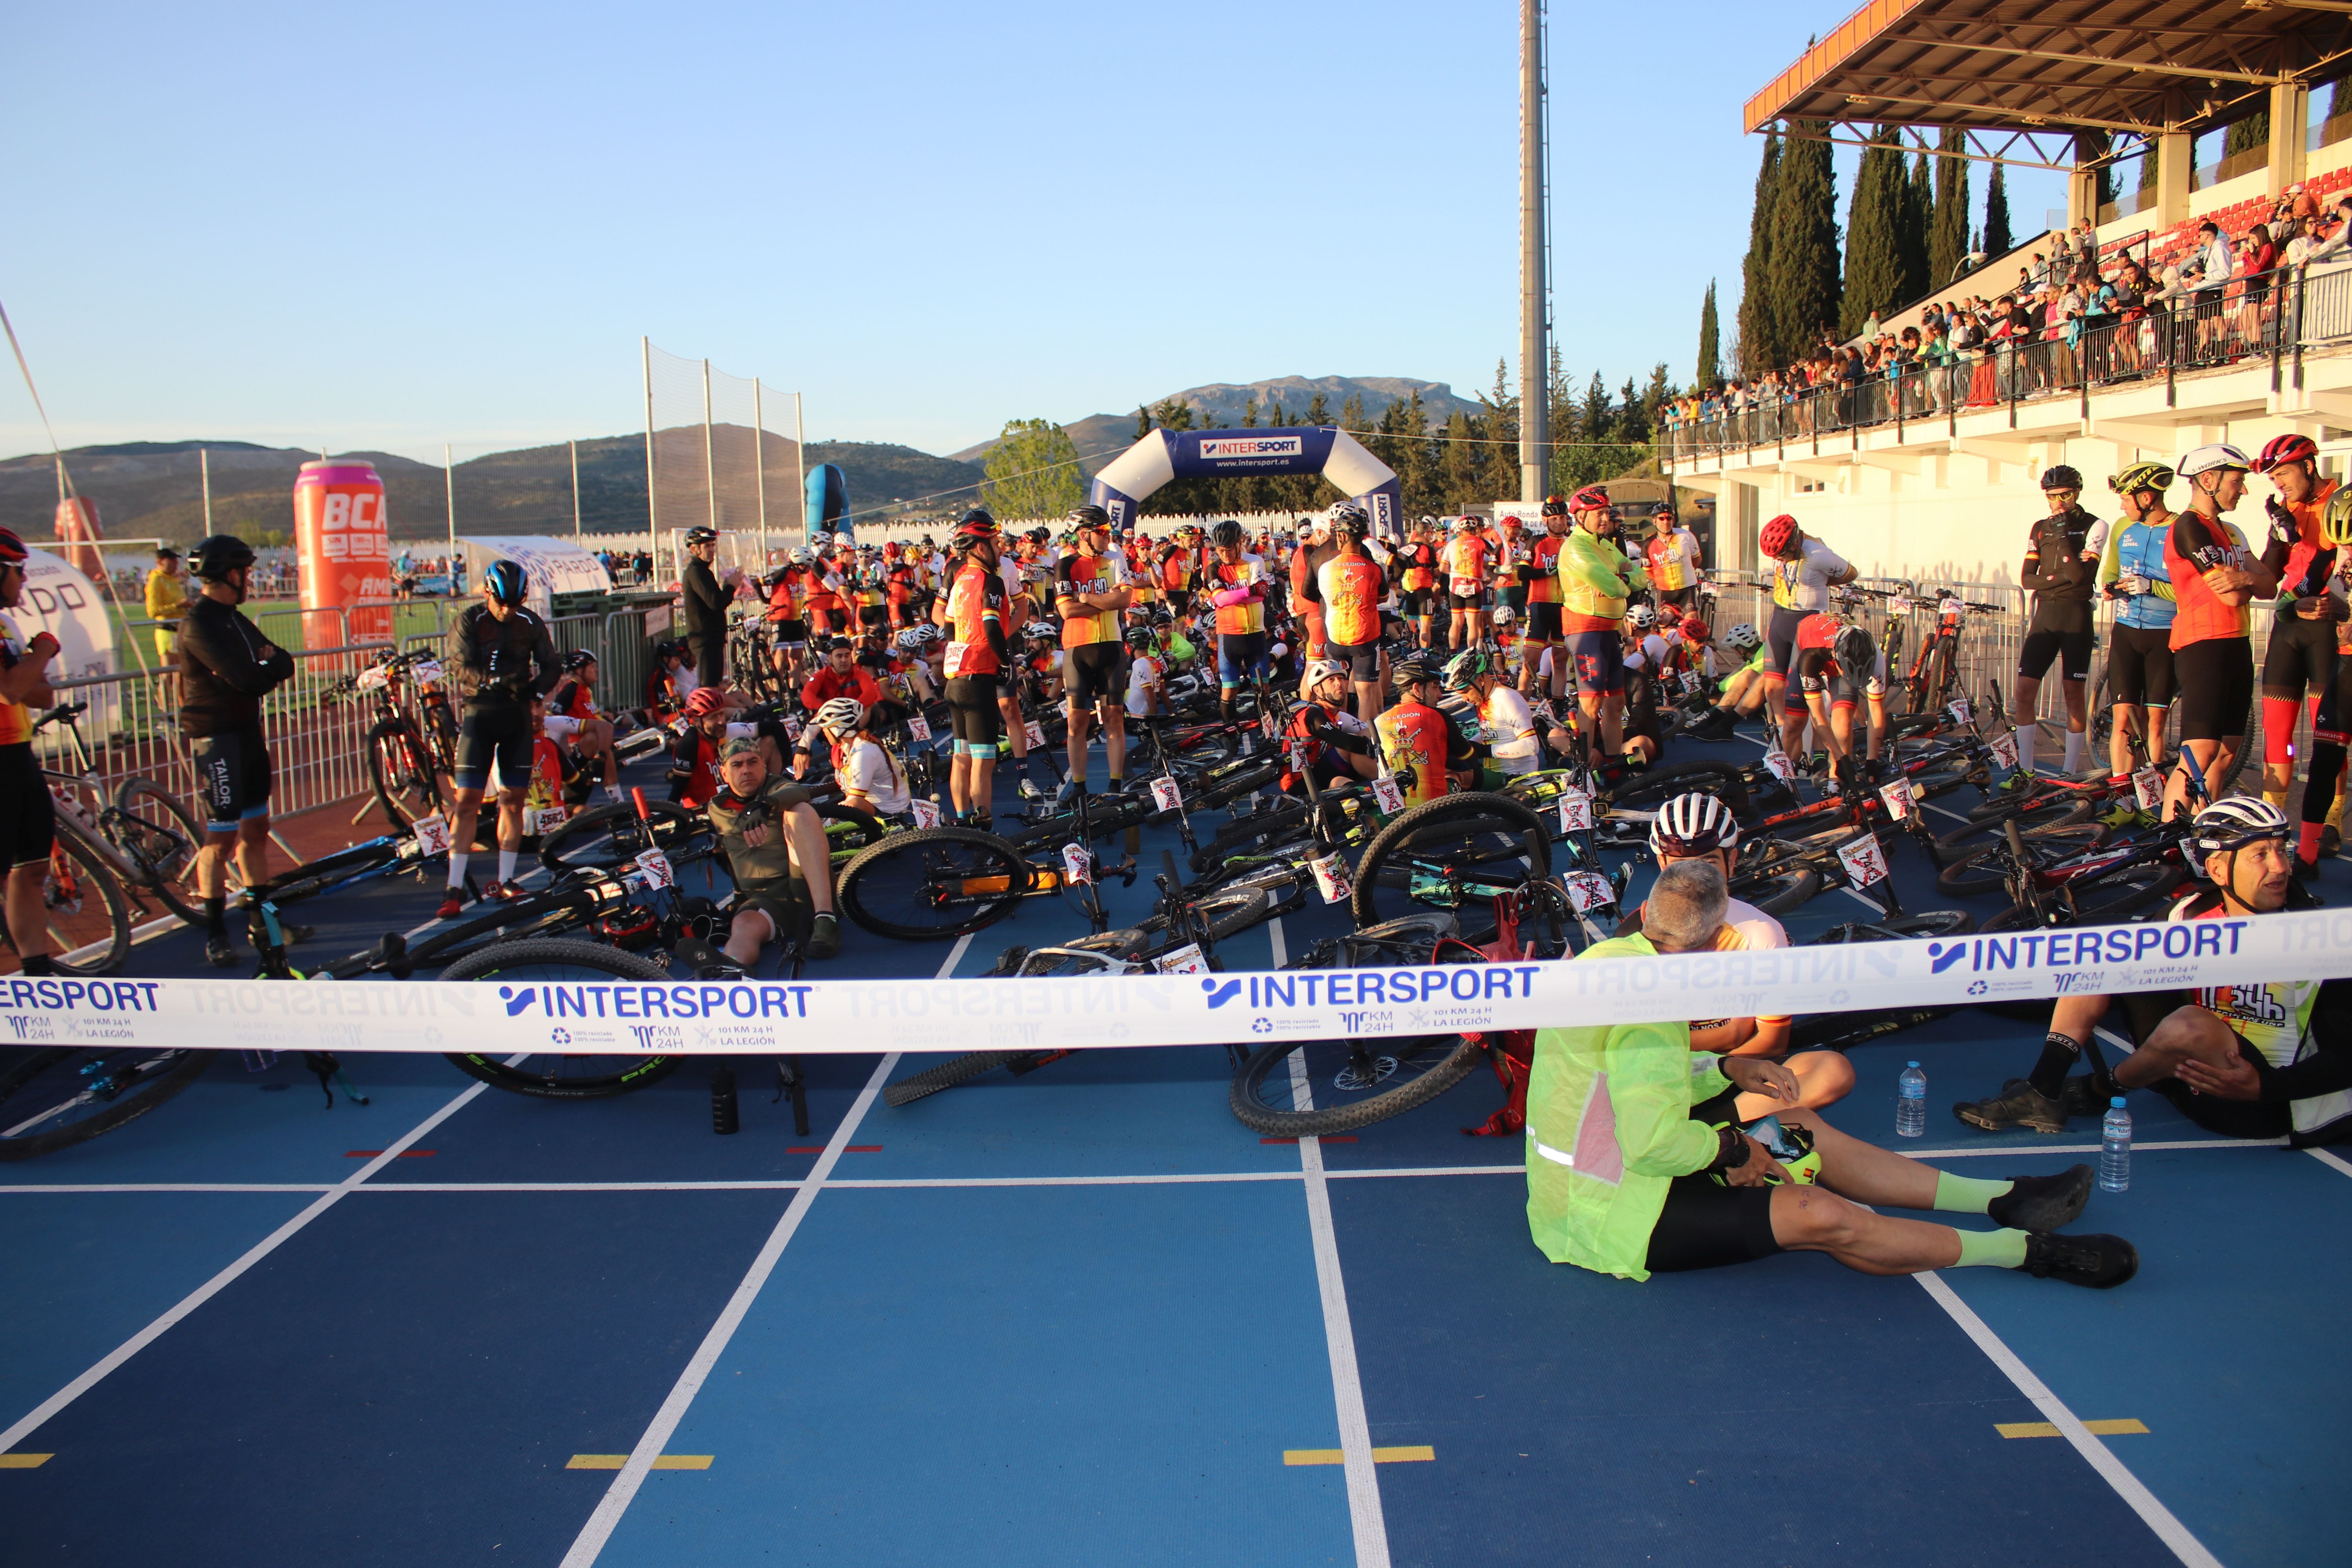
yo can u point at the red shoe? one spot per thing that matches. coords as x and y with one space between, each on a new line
449 907
500 892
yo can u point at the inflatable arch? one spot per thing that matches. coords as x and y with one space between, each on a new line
1166 455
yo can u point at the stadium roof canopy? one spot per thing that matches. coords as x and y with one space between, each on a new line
2026 76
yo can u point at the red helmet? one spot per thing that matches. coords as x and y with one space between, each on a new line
1695 627
1553 506
703 702
1780 536
2284 449
1590 498
11 549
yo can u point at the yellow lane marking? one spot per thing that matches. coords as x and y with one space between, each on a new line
1379 1455
2125 1428
663 1462
23 1461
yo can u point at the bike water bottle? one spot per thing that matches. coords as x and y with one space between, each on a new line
2115 1148
1911 1103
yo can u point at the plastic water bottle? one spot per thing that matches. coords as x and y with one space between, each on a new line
2115 1148
1911 1103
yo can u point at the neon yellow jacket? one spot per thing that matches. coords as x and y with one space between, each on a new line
1609 1127
1595 576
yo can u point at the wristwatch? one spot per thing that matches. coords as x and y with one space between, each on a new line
1729 1140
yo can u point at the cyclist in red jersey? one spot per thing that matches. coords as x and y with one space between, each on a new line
1466 562
974 615
1540 572
1834 671
1346 590
2301 653
2214 578
1090 598
1425 750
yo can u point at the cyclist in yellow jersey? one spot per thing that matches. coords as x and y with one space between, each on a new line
1090 595
24 795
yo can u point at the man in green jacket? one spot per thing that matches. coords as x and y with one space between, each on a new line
1636 1162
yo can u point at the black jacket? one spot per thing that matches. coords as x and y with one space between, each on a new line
2054 567
225 671
504 662
706 602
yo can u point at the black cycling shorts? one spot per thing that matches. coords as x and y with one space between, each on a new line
1418 603
2073 650
2217 688
2302 654
873 615
971 714
792 634
1780 638
1094 671
232 777
1543 622
1362 659
495 738
1707 1225
2228 1118
1466 601
2139 667
32 813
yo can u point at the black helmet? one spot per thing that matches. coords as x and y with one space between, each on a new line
1348 520
977 514
214 559
1413 669
701 535
1226 534
578 659
2062 477
503 580
1087 516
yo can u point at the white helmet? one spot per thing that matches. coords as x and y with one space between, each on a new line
1502 616
2215 455
1743 638
1464 524
801 556
841 717
1694 823
1319 670
2231 823
1641 617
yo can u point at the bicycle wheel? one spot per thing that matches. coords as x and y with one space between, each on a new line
1227 912
88 918
53 1098
1656 787
1985 869
561 1075
405 784
947 1075
155 833
2103 898
933 884
1314 1088
1777 889
550 914
1447 851
608 838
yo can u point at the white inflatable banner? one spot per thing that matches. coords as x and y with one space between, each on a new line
818 1015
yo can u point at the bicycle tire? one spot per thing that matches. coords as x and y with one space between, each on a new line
608 838
171 1071
1722 780
85 908
1510 830
629 1073
1229 912
402 775
1267 1070
972 879
545 914
158 834
1778 891
1982 870
947 1075
2124 893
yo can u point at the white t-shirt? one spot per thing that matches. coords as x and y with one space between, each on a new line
1502 716
1143 673
1804 584
867 771
1756 929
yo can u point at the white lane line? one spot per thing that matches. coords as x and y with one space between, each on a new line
2325 1158
624 1491
1867 902
68 1188
593 1535
2154 1514
1364 1515
778 1186
1151 1180
40 1412
1429 1171
1274 939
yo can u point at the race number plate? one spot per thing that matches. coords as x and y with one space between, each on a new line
1186 959
1896 794
1036 736
1166 795
548 818
1586 891
2004 750
424 674
1297 757
1575 812
1331 878
655 866
1077 864
2148 789
1863 861
431 834
1960 711
1389 793
919 727
926 812
1777 763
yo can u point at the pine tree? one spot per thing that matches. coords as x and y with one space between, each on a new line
1758 338
1710 355
1997 241
1918 209
1948 236
1874 261
1803 282
2245 135
1657 395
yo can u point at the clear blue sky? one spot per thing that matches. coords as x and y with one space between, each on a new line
342 226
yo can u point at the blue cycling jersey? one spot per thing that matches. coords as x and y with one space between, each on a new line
2138 548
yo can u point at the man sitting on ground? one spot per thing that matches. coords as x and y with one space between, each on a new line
2256 1061
1636 1163
773 839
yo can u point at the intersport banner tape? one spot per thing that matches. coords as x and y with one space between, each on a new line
844 1016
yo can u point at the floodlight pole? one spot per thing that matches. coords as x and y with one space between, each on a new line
1534 393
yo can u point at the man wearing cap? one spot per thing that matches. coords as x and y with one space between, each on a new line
777 854
167 601
705 606
2214 578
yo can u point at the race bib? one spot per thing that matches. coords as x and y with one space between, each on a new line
1269 726
1465 587
1077 864
954 666
431 834
2148 789
1575 811
1166 795
1298 755
655 866
548 818
1960 711
919 727
1586 891
1863 861
2004 750
1389 793
1036 736
1777 763
374 678
426 673
1954 609
1331 877
926 812
1896 794
1186 959
1899 605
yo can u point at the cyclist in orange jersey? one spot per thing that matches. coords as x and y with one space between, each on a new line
1540 572
1414 569
2214 578
1348 588
1236 583
1425 750
1467 563
1089 597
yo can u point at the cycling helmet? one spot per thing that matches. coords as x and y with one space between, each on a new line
1414 669
704 702
1852 648
1664 513
1037 629
2288 448
976 519
1742 638
840 717
1502 616
2150 476
1555 506
214 559
1779 537
1348 520
1141 636
2062 477
1591 498
1423 522
12 551
1694 628
578 659
1087 516
701 535
1467 665
2228 825
1462 524
2217 455
1694 823
1226 534
1319 670
504 581
1641 617
911 640
2335 518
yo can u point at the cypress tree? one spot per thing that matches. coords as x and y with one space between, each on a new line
1948 236
1759 340
1873 264
2245 135
1803 283
1997 241
1919 206
1710 347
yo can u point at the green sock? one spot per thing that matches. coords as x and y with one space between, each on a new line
1991 1249
1967 1195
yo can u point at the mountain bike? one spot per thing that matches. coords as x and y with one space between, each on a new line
938 883
139 828
413 742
